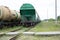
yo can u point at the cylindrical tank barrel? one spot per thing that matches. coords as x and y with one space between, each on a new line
4 13
7 15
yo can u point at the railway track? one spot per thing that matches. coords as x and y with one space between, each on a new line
21 31
37 34
12 37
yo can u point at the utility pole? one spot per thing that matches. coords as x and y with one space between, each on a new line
47 15
56 11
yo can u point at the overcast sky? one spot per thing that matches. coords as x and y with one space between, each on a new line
41 6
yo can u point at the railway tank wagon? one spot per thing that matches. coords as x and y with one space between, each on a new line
28 15
9 17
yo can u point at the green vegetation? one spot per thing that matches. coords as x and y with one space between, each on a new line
5 29
51 19
15 28
5 37
58 18
46 26
31 37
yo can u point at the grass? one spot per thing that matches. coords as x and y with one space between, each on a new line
5 37
42 27
46 26
10 29
32 37
15 28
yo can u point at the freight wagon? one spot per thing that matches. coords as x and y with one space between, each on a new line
28 15
8 17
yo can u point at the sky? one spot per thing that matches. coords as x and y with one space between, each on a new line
42 7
